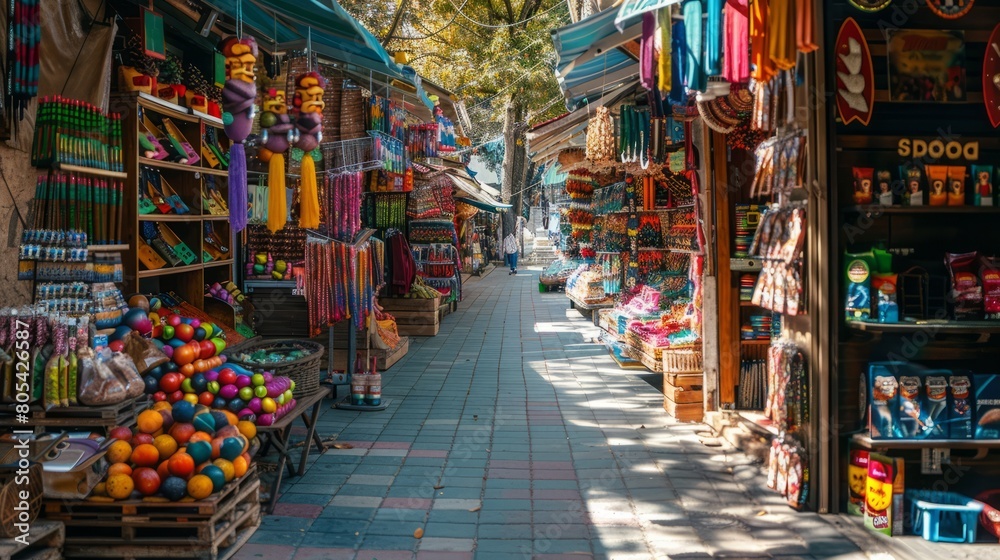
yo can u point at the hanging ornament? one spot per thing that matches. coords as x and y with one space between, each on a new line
855 75
991 77
238 96
275 139
950 9
309 124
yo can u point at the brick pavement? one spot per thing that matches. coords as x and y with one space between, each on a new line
512 436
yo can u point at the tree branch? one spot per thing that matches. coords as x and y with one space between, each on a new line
395 22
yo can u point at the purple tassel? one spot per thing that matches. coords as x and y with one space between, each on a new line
238 206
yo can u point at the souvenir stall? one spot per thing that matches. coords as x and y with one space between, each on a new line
221 189
914 298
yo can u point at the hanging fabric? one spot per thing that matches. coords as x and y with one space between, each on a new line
781 42
678 74
736 61
763 68
664 62
647 63
713 37
694 39
24 33
805 31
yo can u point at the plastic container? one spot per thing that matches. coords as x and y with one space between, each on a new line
990 517
944 516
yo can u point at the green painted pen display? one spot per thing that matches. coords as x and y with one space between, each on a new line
75 132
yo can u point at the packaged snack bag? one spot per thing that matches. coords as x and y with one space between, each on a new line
858 300
883 182
987 406
909 425
886 307
857 479
935 407
956 185
913 177
864 178
966 292
937 177
989 274
879 493
960 407
982 185
879 390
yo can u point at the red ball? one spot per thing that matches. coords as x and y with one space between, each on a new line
159 396
174 321
184 332
171 382
116 346
207 349
206 398
175 396
227 377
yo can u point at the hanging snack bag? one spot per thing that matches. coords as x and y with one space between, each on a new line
879 493
936 405
864 178
857 478
879 388
858 300
982 185
989 273
913 194
956 185
966 292
886 307
909 425
960 407
937 176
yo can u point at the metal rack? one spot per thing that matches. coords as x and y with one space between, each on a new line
350 156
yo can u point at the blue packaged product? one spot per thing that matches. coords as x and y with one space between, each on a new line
987 404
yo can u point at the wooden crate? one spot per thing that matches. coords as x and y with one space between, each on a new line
692 412
688 392
211 529
385 359
392 305
418 330
45 542
107 417
416 318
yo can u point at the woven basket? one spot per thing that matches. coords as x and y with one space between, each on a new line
682 361
10 499
303 371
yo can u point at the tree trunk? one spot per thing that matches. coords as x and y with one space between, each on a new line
515 168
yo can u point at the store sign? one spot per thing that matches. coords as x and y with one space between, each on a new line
937 149
855 75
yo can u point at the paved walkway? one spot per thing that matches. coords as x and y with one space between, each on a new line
511 436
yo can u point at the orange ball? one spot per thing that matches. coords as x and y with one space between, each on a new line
181 464
145 455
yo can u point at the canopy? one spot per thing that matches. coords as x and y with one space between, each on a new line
478 194
495 207
588 60
632 8
332 31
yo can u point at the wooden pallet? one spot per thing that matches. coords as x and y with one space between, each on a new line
692 412
182 510
45 542
122 414
418 330
168 534
682 395
651 363
416 318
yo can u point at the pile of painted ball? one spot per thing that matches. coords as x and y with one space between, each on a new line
264 265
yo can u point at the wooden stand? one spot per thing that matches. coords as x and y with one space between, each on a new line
45 542
80 417
415 317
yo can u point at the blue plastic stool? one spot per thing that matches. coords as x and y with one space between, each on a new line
944 516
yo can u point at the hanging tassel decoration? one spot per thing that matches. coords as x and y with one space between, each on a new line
309 104
664 63
276 135
277 202
238 96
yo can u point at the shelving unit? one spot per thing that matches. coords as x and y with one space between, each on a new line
865 442
187 281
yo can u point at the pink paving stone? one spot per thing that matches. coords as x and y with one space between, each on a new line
308 511
509 473
429 453
442 555
552 465
517 494
307 553
390 445
557 495
553 474
265 552
507 464
367 554
406 503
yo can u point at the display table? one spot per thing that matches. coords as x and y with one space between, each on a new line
278 434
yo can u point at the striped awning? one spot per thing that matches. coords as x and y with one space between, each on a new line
631 9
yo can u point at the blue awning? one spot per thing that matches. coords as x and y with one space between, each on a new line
589 62
632 8
495 207
334 33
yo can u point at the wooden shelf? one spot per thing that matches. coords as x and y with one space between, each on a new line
875 209
748 304
213 217
107 248
84 170
170 218
947 327
758 421
161 164
218 263
577 304
756 342
165 108
865 441
168 270
211 171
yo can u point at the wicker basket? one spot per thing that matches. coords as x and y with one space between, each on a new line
303 371
682 361
10 498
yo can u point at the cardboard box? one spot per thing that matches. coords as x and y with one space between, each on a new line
987 404
880 391
857 479
935 404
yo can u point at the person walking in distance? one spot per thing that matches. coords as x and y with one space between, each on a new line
545 212
510 251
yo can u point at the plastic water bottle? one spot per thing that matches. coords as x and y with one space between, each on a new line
374 384
359 383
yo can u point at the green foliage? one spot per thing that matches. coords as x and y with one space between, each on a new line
488 52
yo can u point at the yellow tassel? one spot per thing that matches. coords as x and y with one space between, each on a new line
277 204
308 195
665 79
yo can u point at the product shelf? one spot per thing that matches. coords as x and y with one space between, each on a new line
983 328
874 209
84 170
866 442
